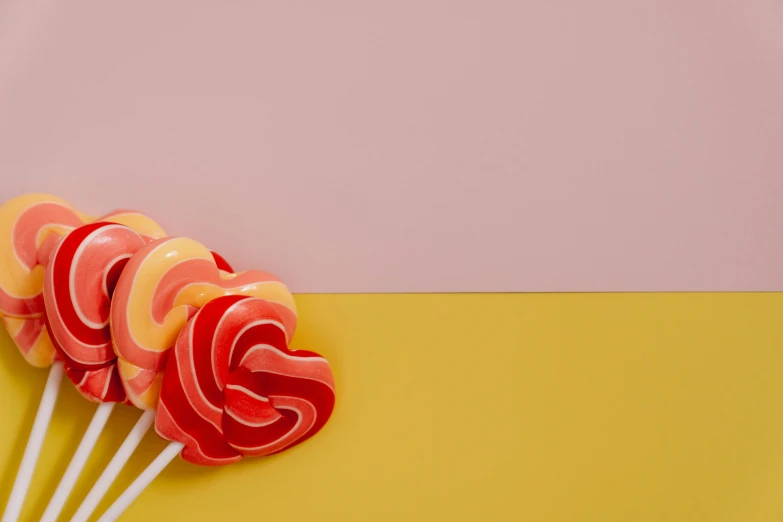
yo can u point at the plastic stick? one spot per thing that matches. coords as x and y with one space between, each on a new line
34 443
78 461
143 480
114 467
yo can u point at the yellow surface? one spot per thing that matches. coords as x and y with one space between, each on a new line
617 407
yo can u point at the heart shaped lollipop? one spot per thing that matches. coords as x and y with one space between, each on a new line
232 389
81 271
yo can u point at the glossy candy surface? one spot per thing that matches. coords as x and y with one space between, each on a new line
160 288
30 227
233 389
78 286
79 282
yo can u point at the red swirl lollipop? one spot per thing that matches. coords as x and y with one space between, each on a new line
79 280
232 388
78 284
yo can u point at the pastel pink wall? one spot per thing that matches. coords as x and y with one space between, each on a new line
417 145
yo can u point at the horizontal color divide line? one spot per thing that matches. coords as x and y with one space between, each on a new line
623 292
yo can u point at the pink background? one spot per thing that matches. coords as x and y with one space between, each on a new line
354 146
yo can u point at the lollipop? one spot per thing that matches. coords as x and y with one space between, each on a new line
78 283
80 279
116 296
30 226
26 224
232 389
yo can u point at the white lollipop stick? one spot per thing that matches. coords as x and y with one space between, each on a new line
143 480
78 461
114 467
34 443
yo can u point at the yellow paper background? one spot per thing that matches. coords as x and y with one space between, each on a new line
538 407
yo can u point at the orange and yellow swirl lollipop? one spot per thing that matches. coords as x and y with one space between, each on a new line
30 226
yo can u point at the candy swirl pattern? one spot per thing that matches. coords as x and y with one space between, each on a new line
30 227
142 224
232 388
161 287
78 285
32 339
100 383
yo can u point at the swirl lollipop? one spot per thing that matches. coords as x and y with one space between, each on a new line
30 226
79 280
232 389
